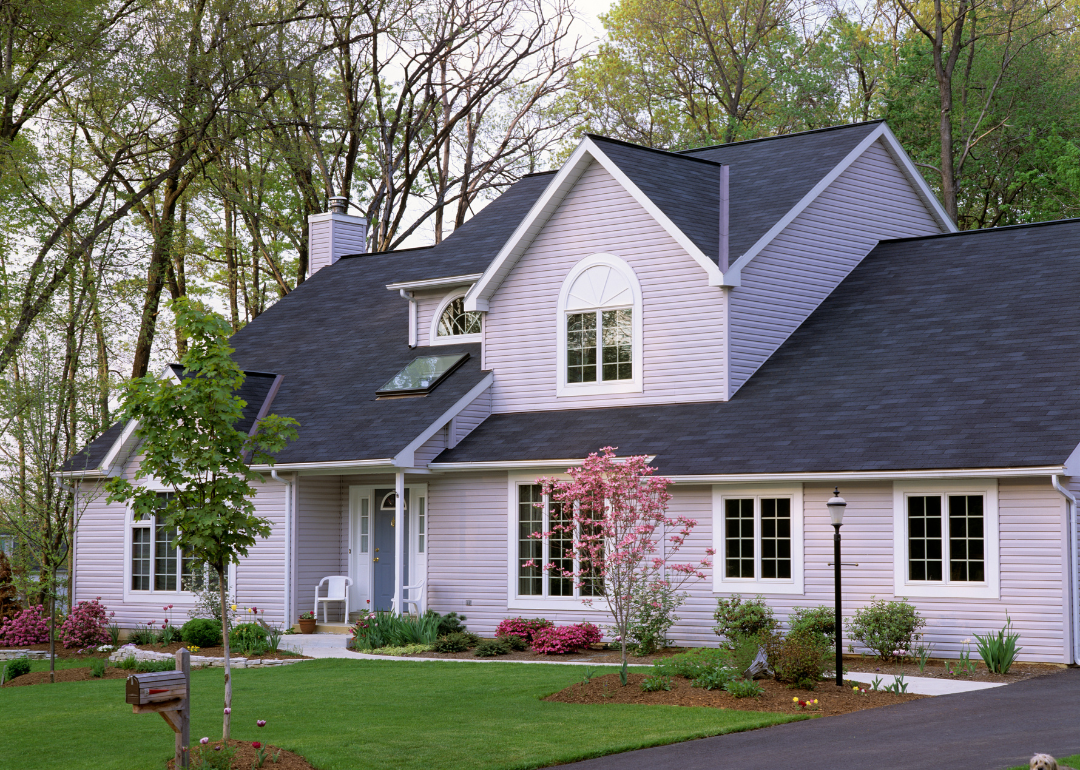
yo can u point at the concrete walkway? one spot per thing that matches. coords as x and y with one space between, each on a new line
991 729
334 646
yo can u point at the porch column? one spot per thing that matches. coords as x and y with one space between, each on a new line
399 540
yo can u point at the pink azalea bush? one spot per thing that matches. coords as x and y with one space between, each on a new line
86 625
27 627
557 640
525 628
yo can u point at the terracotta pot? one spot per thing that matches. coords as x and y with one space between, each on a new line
307 626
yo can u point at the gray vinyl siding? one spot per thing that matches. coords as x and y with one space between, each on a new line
332 237
349 237
471 416
322 533
318 246
430 449
682 315
260 577
99 555
427 304
469 542
870 201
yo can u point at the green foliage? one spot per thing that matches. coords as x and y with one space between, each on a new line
515 643
202 632
999 651
168 634
385 629
744 688
653 615
406 649
691 663
18 667
113 629
451 623
715 677
249 638
211 758
655 683
890 629
455 642
128 664
142 635
150 666
814 622
97 668
750 618
798 659
489 648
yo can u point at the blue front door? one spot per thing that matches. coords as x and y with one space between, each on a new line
383 557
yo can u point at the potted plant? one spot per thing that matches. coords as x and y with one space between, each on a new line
307 623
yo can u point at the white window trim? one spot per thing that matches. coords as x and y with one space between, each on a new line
564 389
360 565
131 596
722 584
991 588
453 339
513 601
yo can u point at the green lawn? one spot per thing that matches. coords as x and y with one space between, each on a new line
344 715
1073 761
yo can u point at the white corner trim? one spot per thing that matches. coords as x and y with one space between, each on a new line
481 292
723 584
435 283
433 327
406 457
564 389
991 588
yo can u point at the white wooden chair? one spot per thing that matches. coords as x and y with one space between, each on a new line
407 599
337 590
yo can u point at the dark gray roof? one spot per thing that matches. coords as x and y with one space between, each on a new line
336 339
685 188
769 176
254 392
935 352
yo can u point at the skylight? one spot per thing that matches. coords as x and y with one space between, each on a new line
422 375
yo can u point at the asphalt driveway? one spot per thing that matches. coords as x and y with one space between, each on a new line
995 728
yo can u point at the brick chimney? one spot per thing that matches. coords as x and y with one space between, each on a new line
334 234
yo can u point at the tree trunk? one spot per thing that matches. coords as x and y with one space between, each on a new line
225 644
945 133
52 629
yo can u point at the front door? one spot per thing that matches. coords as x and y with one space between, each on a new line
383 557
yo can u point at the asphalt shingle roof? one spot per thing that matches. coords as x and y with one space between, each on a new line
934 353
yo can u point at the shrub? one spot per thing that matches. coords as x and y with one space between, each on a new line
489 648
454 642
563 639
692 663
743 688
656 683
652 616
85 626
523 627
18 667
27 627
516 643
798 660
248 638
715 677
735 617
451 623
202 632
816 622
890 629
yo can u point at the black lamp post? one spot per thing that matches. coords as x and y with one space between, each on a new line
837 505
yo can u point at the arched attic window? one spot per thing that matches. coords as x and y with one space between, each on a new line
452 323
599 316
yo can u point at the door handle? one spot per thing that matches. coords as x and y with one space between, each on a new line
376 558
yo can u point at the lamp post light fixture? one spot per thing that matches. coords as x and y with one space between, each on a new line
837 505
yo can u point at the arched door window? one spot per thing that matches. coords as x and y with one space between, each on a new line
600 327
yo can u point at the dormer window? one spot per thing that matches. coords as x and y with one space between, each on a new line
452 323
600 328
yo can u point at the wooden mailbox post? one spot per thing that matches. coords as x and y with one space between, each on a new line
167 693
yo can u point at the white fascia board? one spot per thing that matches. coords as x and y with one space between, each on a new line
948 473
481 292
116 453
330 466
435 283
406 457
896 150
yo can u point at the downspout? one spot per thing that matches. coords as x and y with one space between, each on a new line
288 545
412 315
1074 588
399 540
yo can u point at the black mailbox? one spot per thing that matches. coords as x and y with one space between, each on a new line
157 687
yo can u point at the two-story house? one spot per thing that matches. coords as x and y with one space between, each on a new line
765 319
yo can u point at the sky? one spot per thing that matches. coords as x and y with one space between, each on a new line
589 10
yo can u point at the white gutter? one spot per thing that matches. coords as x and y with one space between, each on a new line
436 283
412 315
1074 588
387 462
512 465
288 545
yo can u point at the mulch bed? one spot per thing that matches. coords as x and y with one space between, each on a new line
65 675
832 700
935 669
584 657
246 757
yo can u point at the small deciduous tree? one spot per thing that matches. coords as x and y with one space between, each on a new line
614 513
191 445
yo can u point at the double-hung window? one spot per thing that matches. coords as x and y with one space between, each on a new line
540 563
946 539
157 564
758 540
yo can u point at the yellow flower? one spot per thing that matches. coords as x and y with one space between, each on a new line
234 608
794 700
856 689
815 700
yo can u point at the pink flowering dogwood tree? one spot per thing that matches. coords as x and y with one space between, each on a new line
614 513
